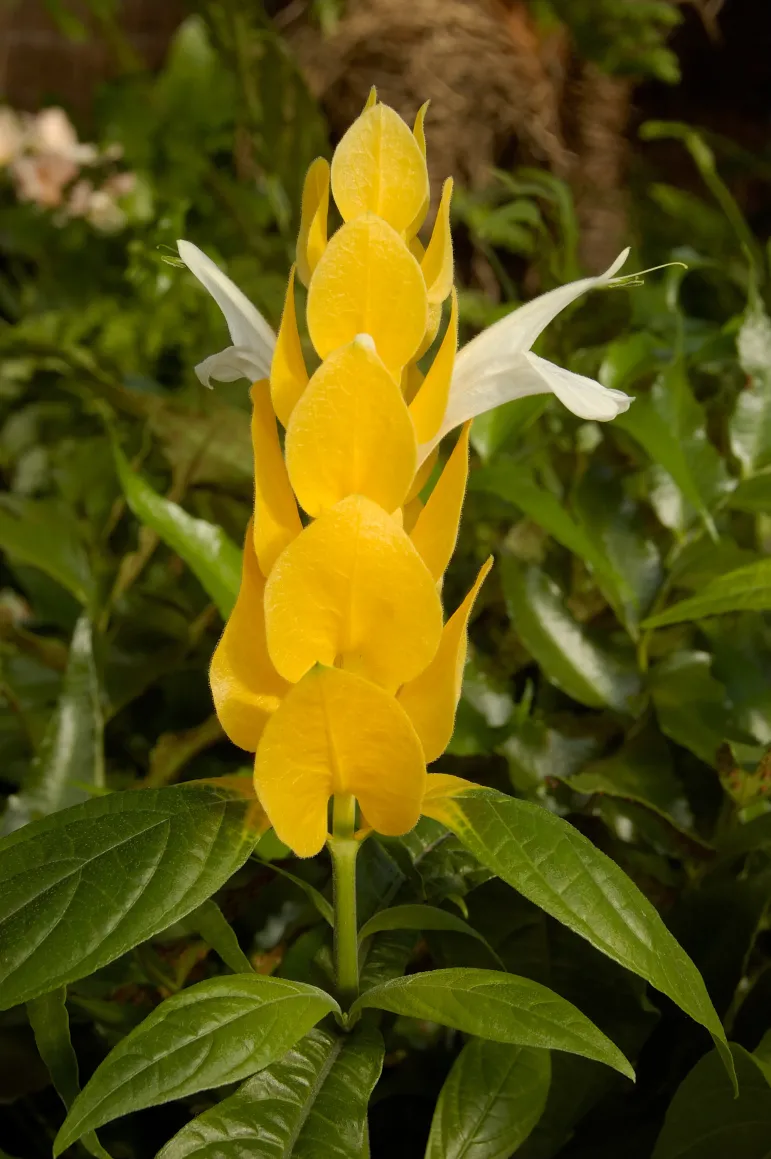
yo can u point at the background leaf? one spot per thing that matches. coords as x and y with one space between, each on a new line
706 1121
746 589
71 758
490 1102
204 547
45 535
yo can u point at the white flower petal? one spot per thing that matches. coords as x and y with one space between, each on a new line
247 327
232 363
583 396
495 367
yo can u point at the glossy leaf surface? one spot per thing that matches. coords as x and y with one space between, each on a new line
501 1007
311 1103
85 885
490 1102
214 1033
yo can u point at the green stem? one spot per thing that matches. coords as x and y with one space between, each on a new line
344 848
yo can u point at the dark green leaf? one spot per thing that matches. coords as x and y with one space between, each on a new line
498 1006
71 755
208 921
705 1121
556 868
83 886
311 1104
217 1032
51 1025
746 589
669 423
496 427
750 425
419 917
490 1102
564 649
45 534
204 547
691 704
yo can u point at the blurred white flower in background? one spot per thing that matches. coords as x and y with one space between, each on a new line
46 161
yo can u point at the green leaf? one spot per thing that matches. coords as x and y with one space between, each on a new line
209 553
706 1121
208 921
563 648
559 870
420 917
311 1104
748 589
494 428
752 494
691 705
44 534
71 754
750 423
85 885
216 1032
316 898
492 1098
516 485
51 1026
669 424
498 1006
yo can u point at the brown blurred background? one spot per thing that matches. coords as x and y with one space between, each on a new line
504 88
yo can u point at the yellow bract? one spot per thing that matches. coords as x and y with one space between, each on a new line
276 518
368 282
338 733
351 590
288 376
436 529
437 263
245 686
429 404
378 167
430 701
351 434
312 238
335 666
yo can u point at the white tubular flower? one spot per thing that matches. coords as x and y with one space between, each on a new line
497 366
251 354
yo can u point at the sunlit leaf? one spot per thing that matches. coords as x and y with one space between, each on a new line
312 1103
746 589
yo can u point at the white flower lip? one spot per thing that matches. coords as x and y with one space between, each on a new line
497 366
251 354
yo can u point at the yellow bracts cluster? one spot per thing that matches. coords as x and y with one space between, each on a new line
336 666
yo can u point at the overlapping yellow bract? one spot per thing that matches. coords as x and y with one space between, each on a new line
335 666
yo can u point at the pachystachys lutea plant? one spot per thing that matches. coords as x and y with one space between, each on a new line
340 669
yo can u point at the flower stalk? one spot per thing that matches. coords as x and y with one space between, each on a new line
344 848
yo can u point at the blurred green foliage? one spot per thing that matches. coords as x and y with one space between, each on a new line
587 689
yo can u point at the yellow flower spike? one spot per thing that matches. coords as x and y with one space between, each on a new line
429 404
423 474
437 264
276 518
378 168
351 433
371 99
288 374
245 686
312 238
352 590
368 282
419 133
336 733
410 512
436 528
431 700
